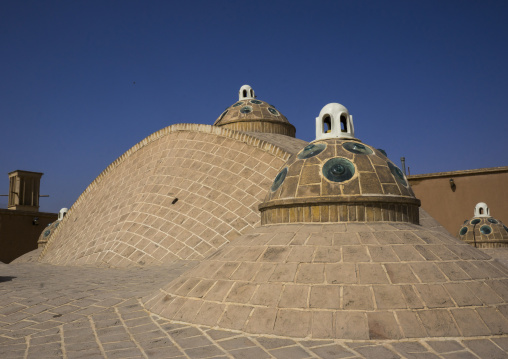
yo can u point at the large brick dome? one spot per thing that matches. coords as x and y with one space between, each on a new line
342 278
181 193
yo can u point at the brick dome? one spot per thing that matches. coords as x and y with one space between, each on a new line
484 231
339 180
349 280
252 115
47 232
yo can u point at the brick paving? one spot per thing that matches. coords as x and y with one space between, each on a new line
80 312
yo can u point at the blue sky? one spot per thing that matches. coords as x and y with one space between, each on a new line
83 81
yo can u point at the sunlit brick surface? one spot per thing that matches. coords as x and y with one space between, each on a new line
259 117
484 232
179 194
345 281
72 312
370 189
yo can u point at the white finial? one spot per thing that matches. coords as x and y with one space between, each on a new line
246 92
62 213
334 121
481 210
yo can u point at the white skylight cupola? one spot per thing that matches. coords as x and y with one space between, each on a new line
62 213
246 93
334 121
481 210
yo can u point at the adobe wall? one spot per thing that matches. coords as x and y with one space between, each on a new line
452 207
18 234
181 193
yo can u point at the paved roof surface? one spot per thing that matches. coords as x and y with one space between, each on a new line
76 312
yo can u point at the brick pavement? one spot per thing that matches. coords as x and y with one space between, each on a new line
74 312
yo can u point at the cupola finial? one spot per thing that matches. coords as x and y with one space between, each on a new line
246 92
334 121
481 210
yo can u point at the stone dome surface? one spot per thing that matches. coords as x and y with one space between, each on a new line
354 281
181 193
484 231
341 278
252 115
47 232
339 179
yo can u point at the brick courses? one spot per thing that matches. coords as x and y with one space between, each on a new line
182 193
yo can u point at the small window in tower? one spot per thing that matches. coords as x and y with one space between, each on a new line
343 123
327 124
244 93
481 210
251 93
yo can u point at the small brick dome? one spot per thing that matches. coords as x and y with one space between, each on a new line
47 232
252 115
339 180
484 231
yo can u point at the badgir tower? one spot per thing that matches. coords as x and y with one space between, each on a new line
319 240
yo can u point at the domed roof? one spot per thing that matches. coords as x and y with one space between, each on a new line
50 228
339 178
47 232
353 281
484 231
251 114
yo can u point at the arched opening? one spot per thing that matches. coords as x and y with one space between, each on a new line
343 123
251 93
481 210
327 124
244 93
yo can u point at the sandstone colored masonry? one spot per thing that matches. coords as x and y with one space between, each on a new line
181 193
249 114
340 278
332 277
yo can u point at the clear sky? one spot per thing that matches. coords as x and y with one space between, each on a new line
83 81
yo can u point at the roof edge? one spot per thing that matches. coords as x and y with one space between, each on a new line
479 171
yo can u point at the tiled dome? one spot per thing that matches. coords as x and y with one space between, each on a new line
339 179
47 232
484 231
252 115
51 228
349 280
